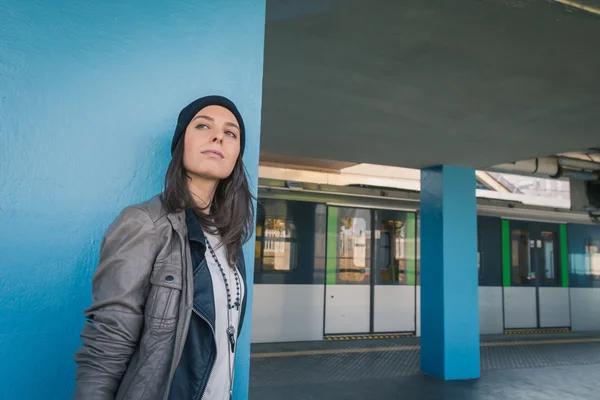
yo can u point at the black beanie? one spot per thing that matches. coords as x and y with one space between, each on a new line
186 115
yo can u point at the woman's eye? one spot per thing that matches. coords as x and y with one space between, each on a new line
202 126
229 133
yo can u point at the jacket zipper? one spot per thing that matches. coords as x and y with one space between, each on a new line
214 341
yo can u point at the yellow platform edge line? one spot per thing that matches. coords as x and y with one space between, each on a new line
367 337
404 335
535 331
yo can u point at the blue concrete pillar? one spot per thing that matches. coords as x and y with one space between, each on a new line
89 97
449 283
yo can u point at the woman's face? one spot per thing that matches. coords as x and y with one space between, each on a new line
211 143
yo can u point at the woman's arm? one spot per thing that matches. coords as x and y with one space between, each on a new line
116 316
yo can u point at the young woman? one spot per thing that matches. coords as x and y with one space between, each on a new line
169 291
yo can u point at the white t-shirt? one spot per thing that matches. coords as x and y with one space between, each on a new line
219 383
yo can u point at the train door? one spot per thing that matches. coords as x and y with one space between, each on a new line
370 278
394 273
535 298
348 271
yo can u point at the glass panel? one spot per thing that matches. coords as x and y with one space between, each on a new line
276 238
549 263
592 264
594 260
395 244
354 246
279 252
490 244
318 235
258 245
584 256
521 272
480 185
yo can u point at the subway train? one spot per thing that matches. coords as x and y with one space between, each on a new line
334 261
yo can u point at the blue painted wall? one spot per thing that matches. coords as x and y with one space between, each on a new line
449 281
89 94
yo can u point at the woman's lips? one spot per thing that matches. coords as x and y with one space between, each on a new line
213 153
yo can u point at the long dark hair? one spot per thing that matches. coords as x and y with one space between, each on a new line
231 212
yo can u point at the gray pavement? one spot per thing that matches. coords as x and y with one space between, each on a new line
545 367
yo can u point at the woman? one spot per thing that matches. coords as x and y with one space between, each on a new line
169 289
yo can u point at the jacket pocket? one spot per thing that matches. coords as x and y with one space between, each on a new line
166 283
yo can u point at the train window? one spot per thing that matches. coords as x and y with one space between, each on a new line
489 245
276 246
395 248
348 246
279 244
521 273
592 258
550 266
353 257
584 251
584 256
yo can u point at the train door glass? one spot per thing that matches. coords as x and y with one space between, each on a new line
548 265
535 264
348 271
522 273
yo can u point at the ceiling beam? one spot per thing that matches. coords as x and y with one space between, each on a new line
580 6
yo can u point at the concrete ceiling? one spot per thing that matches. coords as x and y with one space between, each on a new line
315 164
416 83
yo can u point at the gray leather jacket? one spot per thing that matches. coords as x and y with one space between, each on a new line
141 308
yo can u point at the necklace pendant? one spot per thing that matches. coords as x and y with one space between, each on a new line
230 330
231 333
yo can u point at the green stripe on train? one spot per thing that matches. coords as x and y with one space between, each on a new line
332 243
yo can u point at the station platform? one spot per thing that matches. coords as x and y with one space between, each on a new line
531 366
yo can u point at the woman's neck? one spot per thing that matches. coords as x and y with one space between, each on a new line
203 192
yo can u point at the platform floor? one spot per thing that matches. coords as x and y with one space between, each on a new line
552 366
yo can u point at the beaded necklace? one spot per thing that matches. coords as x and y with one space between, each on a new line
230 305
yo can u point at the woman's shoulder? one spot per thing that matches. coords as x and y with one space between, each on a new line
145 222
154 207
151 210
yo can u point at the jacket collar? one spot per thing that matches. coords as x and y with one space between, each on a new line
195 232
178 222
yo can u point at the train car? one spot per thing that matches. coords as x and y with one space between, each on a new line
333 260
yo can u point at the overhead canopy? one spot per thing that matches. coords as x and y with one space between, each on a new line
417 83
